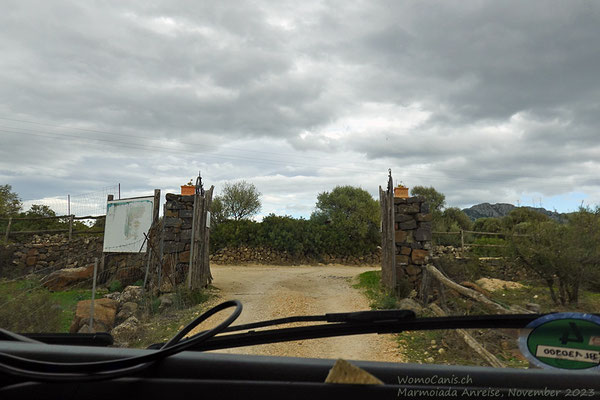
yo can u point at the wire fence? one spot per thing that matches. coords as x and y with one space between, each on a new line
91 203
66 224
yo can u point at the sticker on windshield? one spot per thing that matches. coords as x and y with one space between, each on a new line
562 340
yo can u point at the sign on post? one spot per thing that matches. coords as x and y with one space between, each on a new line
127 220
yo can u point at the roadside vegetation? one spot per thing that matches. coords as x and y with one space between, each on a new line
27 307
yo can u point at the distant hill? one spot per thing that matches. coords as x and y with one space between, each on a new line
487 210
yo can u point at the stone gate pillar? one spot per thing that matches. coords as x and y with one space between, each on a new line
412 240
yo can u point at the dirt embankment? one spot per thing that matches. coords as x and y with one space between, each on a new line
269 292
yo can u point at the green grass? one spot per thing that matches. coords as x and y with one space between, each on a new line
370 283
68 302
535 292
65 302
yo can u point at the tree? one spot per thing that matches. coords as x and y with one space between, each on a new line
488 224
563 255
353 214
454 219
217 211
436 200
240 200
10 204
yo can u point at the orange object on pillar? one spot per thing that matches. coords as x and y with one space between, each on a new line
188 190
401 192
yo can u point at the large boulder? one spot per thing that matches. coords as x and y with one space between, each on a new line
410 304
126 330
127 310
63 278
493 284
105 311
132 294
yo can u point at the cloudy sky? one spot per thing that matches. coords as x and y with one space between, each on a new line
487 101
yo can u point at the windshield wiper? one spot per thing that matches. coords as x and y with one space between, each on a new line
354 323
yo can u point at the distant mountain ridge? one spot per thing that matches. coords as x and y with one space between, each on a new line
487 210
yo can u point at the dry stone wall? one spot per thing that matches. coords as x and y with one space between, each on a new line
177 234
47 253
52 252
262 255
412 238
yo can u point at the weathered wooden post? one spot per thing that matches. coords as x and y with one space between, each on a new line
7 230
91 325
71 226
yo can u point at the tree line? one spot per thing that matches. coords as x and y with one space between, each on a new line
12 206
346 222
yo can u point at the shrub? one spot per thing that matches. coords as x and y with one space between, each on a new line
32 312
115 286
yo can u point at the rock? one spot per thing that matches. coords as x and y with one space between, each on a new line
410 304
131 294
536 308
441 350
126 330
127 310
63 278
419 256
402 260
424 217
105 311
405 251
402 217
408 225
400 236
422 234
166 300
113 296
429 360
493 284
475 287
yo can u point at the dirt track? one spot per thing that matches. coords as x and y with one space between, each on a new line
277 291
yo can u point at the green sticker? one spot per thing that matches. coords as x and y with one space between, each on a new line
563 340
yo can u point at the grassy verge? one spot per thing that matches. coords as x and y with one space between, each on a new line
370 283
162 325
443 346
28 307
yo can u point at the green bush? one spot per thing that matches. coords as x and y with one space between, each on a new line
466 269
185 298
489 251
299 237
115 286
33 312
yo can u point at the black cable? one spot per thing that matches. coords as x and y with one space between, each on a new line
99 370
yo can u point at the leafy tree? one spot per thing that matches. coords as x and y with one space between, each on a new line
353 214
10 203
454 219
521 215
217 211
40 210
565 256
488 225
436 200
240 200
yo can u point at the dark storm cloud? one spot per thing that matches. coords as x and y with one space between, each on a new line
485 100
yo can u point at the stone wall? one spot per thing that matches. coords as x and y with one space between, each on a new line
47 253
412 238
51 252
261 255
177 233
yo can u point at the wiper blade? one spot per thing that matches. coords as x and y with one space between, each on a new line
356 324
349 317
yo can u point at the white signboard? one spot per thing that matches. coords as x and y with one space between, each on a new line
127 220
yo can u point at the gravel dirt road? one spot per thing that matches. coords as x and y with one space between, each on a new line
277 291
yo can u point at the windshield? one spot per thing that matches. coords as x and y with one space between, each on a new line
303 158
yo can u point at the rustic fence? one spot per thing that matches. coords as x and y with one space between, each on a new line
70 219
